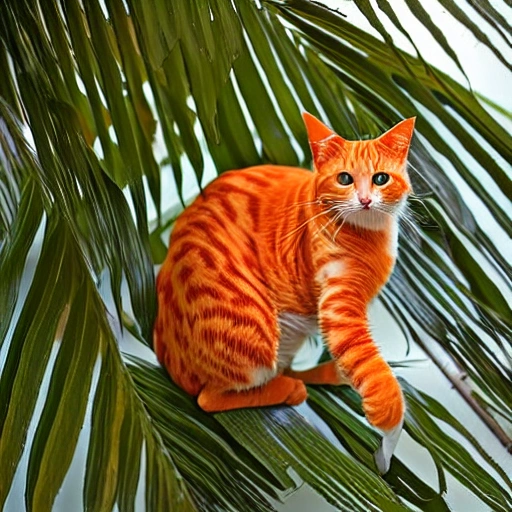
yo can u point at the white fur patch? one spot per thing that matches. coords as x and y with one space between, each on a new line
260 376
294 331
332 269
369 219
393 247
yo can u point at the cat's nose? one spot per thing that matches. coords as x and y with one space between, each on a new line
365 201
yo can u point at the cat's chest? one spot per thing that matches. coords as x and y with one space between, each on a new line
362 266
372 253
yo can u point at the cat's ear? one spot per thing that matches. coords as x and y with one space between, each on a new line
317 131
398 139
323 141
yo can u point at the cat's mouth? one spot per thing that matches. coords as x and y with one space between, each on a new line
341 211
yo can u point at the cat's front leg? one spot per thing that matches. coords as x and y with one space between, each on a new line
344 325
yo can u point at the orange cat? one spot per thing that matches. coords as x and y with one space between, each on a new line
265 255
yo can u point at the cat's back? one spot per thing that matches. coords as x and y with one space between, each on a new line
243 200
213 269
225 231
256 185
260 176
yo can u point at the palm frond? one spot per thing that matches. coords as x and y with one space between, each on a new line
222 85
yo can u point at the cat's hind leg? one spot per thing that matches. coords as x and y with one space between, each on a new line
279 390
328 373
233 336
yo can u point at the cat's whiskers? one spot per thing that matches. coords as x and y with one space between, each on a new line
403 216
332 220
420 199
339 210
390 210
302 203
331 199
324 225
335 205
320 229
334 211
303 225
346 214
413 233
420 174
408 217
387 210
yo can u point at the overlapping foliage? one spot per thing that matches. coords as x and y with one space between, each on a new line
228 82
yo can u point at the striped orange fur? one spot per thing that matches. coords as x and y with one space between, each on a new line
267 252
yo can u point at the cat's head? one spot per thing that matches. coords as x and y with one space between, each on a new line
362 182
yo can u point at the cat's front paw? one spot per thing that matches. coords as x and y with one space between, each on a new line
298 393
383 401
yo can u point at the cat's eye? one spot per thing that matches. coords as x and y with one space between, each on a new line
381 178
344 178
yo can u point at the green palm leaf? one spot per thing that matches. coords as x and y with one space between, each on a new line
222 86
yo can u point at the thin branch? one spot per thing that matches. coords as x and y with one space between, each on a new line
332 9
457 380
